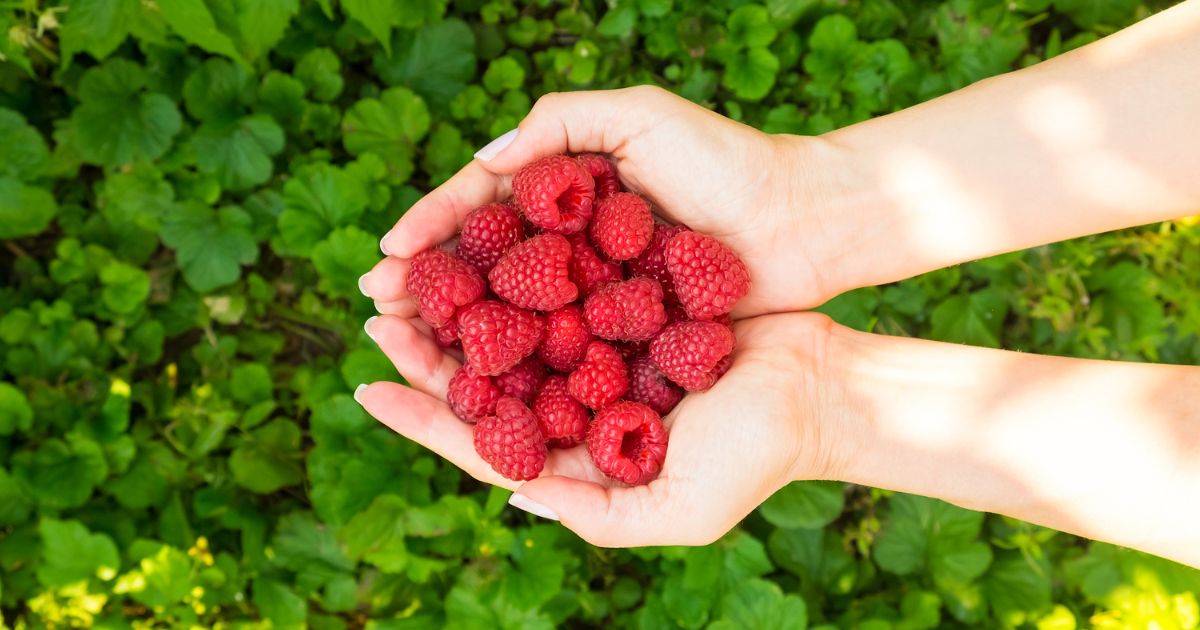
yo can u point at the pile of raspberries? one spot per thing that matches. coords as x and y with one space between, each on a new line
580 319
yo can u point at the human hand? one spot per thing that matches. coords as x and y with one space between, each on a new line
756 193
764 424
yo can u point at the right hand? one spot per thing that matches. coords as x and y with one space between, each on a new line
758 193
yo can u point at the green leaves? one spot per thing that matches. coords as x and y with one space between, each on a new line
973 318
24 210
61 473
340 259
23 153
15 412
922 533
389 127
125 287
381 16
238 153
210 246
750 75
319 199
96 27
266 459
71 553
809 504
117 122
435 62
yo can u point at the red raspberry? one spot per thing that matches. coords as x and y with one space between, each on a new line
675 313
631 350
447 336
555 193
562 419
472 396
626 311
652 262
588 269
523 380
690 353
496 336
622 225
566 338
534 274
511 441
488 232
648 386
708 277
601 378
628 442
440 283
603 172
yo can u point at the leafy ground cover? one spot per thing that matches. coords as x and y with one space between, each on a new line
190 188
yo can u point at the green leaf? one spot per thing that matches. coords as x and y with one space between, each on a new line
379 16
927 533
136 197
15 505
503 74
116 123
218 90
317 200
96 27
149 478
192 20
310 549
809 504
71 553
389 127
261 24
445 153
921 610
973 318
251 383
266 460
61 473
238 153
278 604
320 70
125 287
340 259
163 577
376 536
751 75
762 605
23 152
817 555
15 413
281 96
618 21
1018 588
210 245
750 27
436 63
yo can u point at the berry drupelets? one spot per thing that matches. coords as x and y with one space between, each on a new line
582 322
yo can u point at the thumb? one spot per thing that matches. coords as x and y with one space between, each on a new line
660 513
560 122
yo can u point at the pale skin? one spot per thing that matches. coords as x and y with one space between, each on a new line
1101 138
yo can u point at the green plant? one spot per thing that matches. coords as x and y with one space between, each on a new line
190 188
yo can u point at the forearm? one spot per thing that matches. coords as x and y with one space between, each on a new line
1097 139
1105 450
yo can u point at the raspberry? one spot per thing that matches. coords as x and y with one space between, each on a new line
472 395
631 350
523 380
648 386
708 277
690 353
496 336
488 232
534 274
675 313
628 442
626 311
447 336
622 225
601 378
652 262
603 172
511 441
588 269
555 193
440 283
566 338
562 419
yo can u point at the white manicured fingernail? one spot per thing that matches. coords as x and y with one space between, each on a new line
367 326
362 285
494 147
358 393
382 245
523 502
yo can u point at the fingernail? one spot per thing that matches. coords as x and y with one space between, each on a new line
383 244
523 502
494 147
358 393
362 285
367 326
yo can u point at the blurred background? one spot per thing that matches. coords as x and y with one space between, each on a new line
189 190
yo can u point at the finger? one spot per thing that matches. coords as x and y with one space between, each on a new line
438 215
430 423
559 122
414 353
640 516
402 308
387 281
